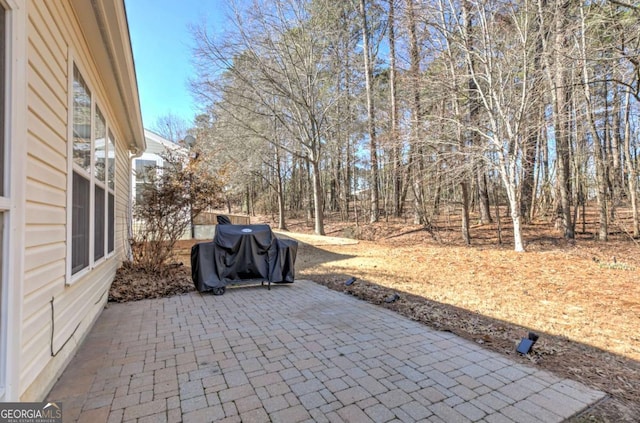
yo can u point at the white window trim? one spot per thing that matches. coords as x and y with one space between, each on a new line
111 140
70 279
71 167
102 184
13 205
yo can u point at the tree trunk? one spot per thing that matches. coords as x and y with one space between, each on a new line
531 141
349 162
373 147
416 120
517 232
281 207
497 207
514 207
310 191
610 191
483 194
557 80
317 199
247 201
616 147
466 236
601 189
528 166
395 141
631 169
561 123
472 114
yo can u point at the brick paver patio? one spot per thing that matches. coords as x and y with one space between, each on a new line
297 353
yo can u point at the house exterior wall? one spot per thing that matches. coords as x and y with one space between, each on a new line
57 310
156 146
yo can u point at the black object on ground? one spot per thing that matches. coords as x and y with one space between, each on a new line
392 298
350 281
242 253
524 347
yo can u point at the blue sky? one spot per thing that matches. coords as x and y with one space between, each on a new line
162 49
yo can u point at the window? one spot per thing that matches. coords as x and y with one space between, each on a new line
143 167
81 124
80 227
93 197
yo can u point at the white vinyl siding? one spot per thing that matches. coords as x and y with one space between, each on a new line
46 189
57 309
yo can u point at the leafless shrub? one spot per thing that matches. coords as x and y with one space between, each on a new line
171 197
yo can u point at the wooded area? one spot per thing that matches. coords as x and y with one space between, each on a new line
377 108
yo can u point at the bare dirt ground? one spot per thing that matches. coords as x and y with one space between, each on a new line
582 297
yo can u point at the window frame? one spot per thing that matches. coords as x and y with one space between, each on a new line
104 183
5 201
12 199
97 183
81 172
110 190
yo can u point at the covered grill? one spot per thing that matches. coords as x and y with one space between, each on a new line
242 253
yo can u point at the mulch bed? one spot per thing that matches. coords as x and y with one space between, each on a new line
134 284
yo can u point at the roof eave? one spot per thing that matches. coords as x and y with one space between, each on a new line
106 30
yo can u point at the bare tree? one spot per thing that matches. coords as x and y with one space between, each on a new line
601 188
277 53
502 54
371 112
171 197
631 167
474 93
172 127
415 165
394 136
553 19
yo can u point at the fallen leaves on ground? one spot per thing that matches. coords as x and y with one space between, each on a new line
133 283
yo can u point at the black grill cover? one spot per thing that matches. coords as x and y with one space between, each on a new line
240 253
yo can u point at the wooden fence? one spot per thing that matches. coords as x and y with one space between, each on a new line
208 218
204 224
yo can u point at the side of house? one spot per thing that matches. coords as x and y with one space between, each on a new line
151 157
70 126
